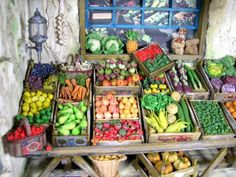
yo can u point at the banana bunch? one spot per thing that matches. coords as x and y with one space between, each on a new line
61 34
160 124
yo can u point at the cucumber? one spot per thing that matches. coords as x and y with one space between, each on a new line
194 74
186 115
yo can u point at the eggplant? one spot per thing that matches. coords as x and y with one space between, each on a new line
217 83
186 87
177 85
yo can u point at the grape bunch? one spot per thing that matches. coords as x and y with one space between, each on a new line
35 82
42 70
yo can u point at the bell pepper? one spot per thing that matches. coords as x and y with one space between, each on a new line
153 86
147 91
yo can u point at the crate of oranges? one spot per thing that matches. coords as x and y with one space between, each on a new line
229 108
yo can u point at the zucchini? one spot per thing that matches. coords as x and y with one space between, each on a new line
186 115
194 74
191 78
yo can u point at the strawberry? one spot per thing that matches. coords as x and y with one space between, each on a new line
106 125
125 127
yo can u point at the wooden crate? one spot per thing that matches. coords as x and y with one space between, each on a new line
160 70
229 116
118 90
213 137
193 170
183 136
219 96
71 141
195 95
68 173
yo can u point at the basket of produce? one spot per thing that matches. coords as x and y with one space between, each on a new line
168 118
212 120
119 76
156 84
37 107
41 76
72 125
111 107
107 165
79 66
169 164
186 79
153 60
117 132
220 76
25 139
73 88
229 109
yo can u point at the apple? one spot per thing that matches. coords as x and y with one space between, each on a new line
113 82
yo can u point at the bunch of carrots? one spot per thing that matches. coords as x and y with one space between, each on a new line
73 92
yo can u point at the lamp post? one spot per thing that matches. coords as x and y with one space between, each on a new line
37 32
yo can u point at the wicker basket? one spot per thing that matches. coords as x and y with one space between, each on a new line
107 168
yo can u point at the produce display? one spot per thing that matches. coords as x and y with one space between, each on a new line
77 66
71 119
170 114
211 118
108 157
39 73
231 106
34 102
154 85
20 132
97 44
116 73
152 57
168 162
184 79
73 89
117 130
112 107
132 44
222 74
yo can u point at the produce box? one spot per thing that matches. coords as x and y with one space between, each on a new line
25 139
37 106
74 88
118 76
146 58
173 112
112 107
174 168
41 76
72 125
156 84
212 120
117 132
220 83
185 78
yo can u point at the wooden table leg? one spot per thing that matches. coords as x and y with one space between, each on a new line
219 157
52 165
79 161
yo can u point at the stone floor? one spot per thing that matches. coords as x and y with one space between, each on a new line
36 165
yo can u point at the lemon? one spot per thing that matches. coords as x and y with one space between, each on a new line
33 94
25 104
25 108
42 98
26 94
35 98
44 95
48 100
30 114
28 100
46 104
50 96
39 93
33 105
39 104
24 114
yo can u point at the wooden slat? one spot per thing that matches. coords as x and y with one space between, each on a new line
82 26
105 57
185 57
138 148
220 156
51 166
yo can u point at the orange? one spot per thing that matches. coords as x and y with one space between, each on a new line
228 104
231 110
234 103
234 115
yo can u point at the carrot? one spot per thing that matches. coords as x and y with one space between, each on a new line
75 89
68 93
70 89
80 93
74 83
68 83
88 81
62 92
83 93
74 97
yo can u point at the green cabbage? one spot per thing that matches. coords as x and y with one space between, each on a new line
112 45
93 43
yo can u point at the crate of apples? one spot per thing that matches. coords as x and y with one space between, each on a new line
116 107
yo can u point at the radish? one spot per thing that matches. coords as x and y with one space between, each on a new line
99 116
107 115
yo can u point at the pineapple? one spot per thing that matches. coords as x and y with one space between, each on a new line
132 44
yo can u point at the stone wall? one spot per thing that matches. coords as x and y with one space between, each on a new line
14 17
221 35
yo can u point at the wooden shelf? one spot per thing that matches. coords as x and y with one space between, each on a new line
185 57
138 148
105 57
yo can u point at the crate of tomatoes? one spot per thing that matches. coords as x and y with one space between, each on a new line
153 60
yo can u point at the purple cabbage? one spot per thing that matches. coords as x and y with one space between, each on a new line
217 84
229 80
228 88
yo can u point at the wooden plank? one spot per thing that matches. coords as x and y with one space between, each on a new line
139 169
78 160
185 57
106 56
203 23
82 27
220 156
137 148
52 165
